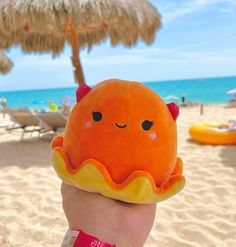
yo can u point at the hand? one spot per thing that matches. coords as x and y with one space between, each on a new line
115 222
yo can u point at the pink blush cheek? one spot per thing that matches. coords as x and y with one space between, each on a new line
153 136
87 124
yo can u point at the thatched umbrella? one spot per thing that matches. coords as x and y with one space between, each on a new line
5 63
47 25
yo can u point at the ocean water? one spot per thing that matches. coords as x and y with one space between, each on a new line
205 90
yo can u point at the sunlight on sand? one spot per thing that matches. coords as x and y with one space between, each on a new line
203 214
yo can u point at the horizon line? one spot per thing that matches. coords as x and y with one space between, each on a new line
145 82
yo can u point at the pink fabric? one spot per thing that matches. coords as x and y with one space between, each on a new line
82 91
85 240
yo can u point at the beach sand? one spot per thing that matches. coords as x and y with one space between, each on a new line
203 214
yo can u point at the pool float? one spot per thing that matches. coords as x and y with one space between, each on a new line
120 141
214 133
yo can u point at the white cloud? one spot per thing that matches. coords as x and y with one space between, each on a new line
41 61
142 65
91 61
171 11
141 56
229 10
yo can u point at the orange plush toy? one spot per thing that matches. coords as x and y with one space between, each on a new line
120 141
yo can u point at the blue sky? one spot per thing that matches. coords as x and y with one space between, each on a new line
197 39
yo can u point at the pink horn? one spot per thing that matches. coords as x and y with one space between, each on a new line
174 110
82 91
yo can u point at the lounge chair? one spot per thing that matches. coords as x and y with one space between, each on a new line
5 122
53 120
231 104
25 120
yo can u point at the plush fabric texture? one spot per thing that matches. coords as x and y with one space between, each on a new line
121 141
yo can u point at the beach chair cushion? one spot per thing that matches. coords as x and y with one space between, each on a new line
120 141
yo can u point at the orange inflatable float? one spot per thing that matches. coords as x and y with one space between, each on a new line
120 141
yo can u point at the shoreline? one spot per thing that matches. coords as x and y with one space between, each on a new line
207 91
144 82
226 105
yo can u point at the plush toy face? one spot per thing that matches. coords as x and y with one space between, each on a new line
126 127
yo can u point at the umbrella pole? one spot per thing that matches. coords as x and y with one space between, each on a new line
78 70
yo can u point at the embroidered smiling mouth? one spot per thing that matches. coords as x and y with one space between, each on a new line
121 126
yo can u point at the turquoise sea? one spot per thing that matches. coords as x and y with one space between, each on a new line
205 90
